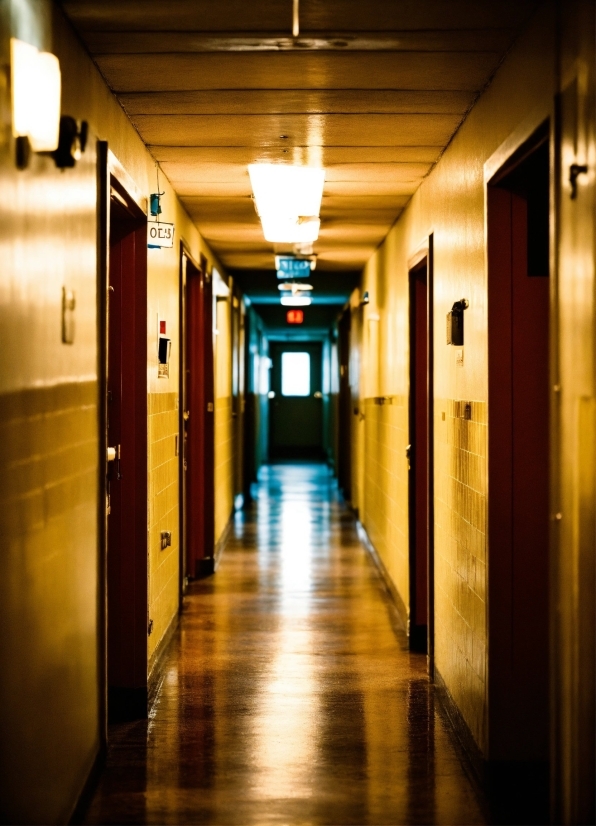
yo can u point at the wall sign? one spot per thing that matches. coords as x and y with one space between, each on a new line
160 235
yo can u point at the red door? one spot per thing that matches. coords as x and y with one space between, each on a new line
419 456
518 460
127 465
199 419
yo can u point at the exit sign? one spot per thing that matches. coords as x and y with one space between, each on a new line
295 316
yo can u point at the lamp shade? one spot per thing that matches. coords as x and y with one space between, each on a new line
36 90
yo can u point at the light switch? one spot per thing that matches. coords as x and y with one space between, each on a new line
68 318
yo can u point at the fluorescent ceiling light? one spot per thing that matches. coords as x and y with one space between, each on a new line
294 288
281 230
36 89
288 201
296 300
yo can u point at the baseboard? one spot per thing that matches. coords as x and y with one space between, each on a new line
387 581
461 730
156 661
517 791
222 542
208 565
89 787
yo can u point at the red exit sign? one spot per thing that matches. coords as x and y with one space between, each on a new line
295 316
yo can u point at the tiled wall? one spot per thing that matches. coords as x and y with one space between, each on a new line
48 513
224 445
450 207
460 555
386 484
224 464
163 513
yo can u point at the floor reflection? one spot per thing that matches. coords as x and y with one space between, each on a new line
289 695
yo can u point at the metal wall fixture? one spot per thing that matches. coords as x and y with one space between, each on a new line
455 322
37 125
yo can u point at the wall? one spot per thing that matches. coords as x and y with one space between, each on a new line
49 692
224 445
90 98
257 403
450 205
573 570
52 499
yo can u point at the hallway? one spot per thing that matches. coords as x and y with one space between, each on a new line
289 695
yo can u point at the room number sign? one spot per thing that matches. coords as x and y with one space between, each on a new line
160 234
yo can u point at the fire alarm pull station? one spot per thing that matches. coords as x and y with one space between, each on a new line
455 323
164 346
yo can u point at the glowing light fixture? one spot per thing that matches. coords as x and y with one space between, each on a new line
296 300
36 90
288 201
293 287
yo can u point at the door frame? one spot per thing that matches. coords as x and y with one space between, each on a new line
110 172
423 258
344 419
277 345
198 561
500 588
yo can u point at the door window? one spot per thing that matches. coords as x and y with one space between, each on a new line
295 374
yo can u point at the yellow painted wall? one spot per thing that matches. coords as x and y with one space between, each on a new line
450 205
224 444
51 495
91 99
49 646
573 571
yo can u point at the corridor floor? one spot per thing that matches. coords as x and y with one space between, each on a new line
289 696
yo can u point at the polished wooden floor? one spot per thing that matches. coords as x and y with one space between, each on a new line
289 695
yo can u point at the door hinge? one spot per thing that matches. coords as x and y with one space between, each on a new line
150 628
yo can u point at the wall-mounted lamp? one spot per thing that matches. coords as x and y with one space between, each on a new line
455 322
35 89
72 142
37 126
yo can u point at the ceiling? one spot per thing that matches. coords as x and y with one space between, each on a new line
372 90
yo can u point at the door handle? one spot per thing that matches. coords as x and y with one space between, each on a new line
318 394
113 453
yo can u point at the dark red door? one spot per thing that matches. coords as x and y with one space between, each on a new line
419 457
518 460
127 455
199 419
